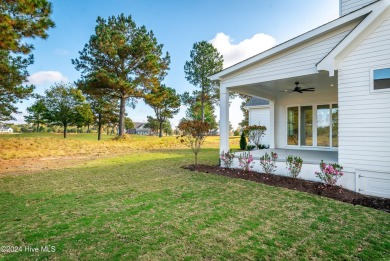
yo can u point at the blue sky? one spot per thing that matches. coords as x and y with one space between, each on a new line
237 28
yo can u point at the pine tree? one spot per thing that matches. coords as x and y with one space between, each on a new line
123 60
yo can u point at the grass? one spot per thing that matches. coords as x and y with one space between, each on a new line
39 145
144 206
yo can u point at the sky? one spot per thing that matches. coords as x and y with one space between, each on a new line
237 28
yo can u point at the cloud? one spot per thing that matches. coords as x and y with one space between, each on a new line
19 118
234 53
46 77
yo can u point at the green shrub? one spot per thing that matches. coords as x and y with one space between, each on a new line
243 142
262 147
250 147
294 165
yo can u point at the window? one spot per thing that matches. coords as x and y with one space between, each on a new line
313 125
381 79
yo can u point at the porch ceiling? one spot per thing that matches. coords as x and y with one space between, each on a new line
271 89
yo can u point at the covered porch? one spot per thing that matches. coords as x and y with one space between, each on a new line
298 120
301 124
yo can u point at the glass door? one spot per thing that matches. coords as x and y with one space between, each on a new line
306 126
323 125
292 125
335 125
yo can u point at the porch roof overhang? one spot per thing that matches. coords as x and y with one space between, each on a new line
356 16
271 89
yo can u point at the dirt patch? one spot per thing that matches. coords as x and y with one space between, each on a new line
33 165
317 188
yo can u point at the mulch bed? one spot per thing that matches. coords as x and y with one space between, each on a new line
317 188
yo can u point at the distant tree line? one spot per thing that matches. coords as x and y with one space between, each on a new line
121 63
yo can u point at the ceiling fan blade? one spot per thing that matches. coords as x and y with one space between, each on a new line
299 89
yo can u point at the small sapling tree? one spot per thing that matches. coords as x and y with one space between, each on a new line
194 135
254 134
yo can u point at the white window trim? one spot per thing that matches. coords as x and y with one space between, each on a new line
314 131
372 69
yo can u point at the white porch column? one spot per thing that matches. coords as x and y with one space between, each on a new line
224 119
272 124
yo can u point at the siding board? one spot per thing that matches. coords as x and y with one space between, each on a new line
364 117
350 6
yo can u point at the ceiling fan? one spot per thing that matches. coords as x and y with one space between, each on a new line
299 89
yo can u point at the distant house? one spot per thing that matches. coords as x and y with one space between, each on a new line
139 128
259 114
4 129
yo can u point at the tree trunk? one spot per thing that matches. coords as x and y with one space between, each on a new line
122 116
38 127
65 126
196 158
88 131
160 130
100 126
202 104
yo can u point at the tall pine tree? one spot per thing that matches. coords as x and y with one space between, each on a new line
122 59
19 20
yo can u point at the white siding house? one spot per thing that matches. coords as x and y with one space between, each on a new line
347 6
346 118
4 129
140 129
259 114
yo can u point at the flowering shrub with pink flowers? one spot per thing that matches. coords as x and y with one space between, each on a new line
330 173
294 165
268 162
227 159
246 161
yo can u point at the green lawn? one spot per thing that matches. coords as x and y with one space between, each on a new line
144 206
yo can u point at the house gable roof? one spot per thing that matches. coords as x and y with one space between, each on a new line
355 16
138 124
256 102
379 12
